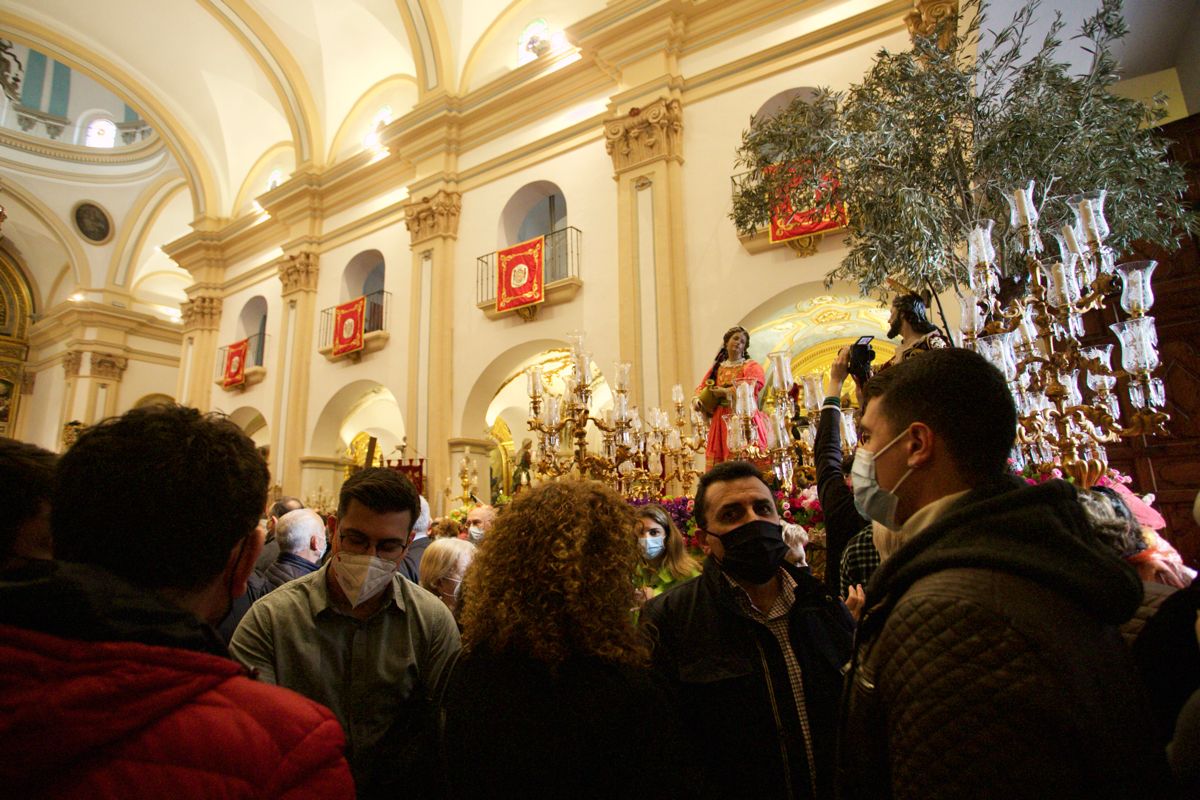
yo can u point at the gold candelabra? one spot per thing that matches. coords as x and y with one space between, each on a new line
1035 339
639 457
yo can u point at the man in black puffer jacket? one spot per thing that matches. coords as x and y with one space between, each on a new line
988 663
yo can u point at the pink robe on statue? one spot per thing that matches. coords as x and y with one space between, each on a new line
717 448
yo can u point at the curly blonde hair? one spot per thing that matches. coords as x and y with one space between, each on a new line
552 579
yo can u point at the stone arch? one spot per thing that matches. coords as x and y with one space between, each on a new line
360 406
358 271
533 199
253 424
501 368
154 399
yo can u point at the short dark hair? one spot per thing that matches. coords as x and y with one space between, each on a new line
382 490
721 473
158 496
961 397
283 505
26 482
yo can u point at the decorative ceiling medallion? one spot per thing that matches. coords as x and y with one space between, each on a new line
92 222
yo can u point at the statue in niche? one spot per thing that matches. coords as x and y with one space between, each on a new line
715 396
523 474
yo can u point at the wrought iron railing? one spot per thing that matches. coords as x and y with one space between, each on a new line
375 317
560 259
256 353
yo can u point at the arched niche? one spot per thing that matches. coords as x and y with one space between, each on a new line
536 209
363 274
252 325
253 424
358 407
778 102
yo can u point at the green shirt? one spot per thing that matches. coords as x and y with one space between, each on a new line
659 580
371 673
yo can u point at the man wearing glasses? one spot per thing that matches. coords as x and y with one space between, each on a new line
357 637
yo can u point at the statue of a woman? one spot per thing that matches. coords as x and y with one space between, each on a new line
716 393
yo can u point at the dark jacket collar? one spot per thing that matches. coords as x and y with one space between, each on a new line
1036 532
85 602
300 566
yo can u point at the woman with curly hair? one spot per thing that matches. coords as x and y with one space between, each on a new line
553 688
664 560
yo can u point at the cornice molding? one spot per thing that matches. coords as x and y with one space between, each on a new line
68 321
644 135
298 272
146 148
434 216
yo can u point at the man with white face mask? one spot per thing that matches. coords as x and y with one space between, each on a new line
987 661
357 637
479 522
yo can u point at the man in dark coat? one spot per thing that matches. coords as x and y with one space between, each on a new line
988 662
301 537
755 648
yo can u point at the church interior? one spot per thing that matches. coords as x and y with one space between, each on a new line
195 192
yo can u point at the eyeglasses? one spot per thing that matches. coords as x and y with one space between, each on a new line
385 548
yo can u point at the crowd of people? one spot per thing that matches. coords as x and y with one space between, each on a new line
973 635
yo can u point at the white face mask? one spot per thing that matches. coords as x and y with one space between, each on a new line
362 577
475 534
873 501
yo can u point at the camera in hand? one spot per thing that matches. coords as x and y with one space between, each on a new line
861 356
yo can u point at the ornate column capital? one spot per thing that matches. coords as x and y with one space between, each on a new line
926 15
645 134
28 380
202 312
298 271
433 216
108 366
72 359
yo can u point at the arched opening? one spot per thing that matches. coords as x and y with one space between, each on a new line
539 209
778 102
101 132
155 399
360 407
253 424
364 276
252 325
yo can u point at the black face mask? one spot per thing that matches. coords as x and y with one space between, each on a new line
754 551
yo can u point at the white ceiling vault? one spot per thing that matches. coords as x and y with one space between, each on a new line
234 89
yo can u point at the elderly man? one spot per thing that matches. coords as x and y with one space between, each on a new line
987 663
411 568
301 537
112 680
360 639
755 648
271 549
479 522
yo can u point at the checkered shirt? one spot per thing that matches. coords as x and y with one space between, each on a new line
859 559
776 621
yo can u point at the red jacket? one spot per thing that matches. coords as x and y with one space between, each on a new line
108 719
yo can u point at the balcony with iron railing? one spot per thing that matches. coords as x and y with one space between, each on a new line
560 259
375 327
255 369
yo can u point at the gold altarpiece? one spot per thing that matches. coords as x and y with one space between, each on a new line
16 309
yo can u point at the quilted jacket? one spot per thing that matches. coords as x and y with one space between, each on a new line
107 692
988 663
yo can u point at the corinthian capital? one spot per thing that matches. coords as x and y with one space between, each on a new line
645 134
202 312
298 272
926 15
72 359
433 216
108 366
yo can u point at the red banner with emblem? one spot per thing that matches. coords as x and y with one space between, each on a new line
348 326
789 223
235 363
520 275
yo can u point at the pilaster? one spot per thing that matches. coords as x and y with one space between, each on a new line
646 146
432 223
201 319
298 272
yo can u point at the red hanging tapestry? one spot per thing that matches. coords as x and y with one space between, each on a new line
235 363
519 275
348 326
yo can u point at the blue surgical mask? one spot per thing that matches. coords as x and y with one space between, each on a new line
873 501
652 546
